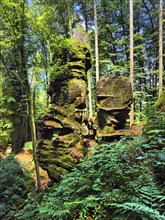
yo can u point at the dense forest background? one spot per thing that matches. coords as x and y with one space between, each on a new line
30 34
32 31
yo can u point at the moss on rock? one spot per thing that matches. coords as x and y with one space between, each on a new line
160 104
114 98
62 132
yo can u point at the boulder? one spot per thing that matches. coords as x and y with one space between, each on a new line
114 99
65 124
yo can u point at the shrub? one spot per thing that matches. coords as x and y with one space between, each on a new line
14 186
113 176
6 126
109 180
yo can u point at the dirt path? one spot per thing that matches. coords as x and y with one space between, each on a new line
26 160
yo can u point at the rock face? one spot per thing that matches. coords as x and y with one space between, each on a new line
66 129
114 98
65 124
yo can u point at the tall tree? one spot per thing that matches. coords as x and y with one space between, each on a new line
9 53
160 47
131 59
18 43
22 68
69 2
96 41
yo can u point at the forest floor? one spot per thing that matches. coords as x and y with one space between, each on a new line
26 160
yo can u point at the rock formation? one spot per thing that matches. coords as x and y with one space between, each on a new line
65 124
66 129
114 98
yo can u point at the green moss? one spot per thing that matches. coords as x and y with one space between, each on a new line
77 64
114 87
104 131
160 104
76 88
78 47
55 172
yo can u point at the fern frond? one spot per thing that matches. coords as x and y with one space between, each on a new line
60 214
152 196
139 209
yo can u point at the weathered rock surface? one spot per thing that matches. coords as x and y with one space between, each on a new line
65 124
114 98
66 130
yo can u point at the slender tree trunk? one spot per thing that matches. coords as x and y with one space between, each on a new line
131 60
160 47
96 42
85 14
34 135
29 95
69 17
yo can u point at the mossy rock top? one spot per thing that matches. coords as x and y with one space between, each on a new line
113 87
71 54
114 93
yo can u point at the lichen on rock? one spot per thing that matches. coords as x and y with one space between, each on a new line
114 98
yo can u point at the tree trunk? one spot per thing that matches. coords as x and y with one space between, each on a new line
85 12
96 42
160 47
33 134
28 92
69 18
131 60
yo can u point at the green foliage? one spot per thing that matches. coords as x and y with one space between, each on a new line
28 146
155 129
117 181
112 178
148 205
154 143
63 51
6 126
141 101
59 67
160 104
57 70
14 185
31 209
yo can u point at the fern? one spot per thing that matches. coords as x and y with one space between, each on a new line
60 214
152 196
149 203
116 181
14 186
135 210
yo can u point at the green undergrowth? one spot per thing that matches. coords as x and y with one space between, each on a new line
122 180
14 187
